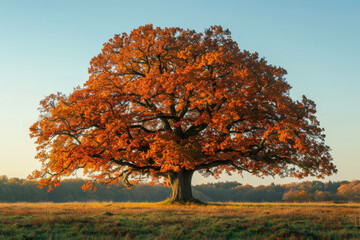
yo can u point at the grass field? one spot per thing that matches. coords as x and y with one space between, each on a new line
160 221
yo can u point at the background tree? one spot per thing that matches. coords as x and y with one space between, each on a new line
350 191
21 190
163 103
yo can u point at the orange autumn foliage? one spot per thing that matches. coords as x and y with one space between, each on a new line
160 101
350 190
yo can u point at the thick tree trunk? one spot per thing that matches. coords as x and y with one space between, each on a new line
181 186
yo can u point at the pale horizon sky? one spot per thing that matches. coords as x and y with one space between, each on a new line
46 47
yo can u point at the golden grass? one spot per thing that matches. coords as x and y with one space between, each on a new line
148 220
319 212
138 208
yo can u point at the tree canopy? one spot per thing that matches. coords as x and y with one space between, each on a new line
163 103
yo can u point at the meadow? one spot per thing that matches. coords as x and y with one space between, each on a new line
108 220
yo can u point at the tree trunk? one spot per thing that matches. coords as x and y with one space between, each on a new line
181 186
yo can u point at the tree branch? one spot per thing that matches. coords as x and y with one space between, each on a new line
213 164
193 130
121 162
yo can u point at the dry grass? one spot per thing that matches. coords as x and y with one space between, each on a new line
108 220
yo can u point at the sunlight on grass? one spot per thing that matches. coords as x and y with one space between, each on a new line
109 220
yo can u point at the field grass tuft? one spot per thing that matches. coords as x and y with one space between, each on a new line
95 220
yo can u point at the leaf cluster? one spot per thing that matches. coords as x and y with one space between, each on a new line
160 101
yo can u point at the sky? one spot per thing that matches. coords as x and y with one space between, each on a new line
46 47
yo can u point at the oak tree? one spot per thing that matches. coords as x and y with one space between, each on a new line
161 104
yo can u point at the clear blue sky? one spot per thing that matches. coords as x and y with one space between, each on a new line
46 47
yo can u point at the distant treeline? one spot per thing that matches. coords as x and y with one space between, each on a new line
20 190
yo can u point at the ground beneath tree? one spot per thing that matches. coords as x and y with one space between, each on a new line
163 221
